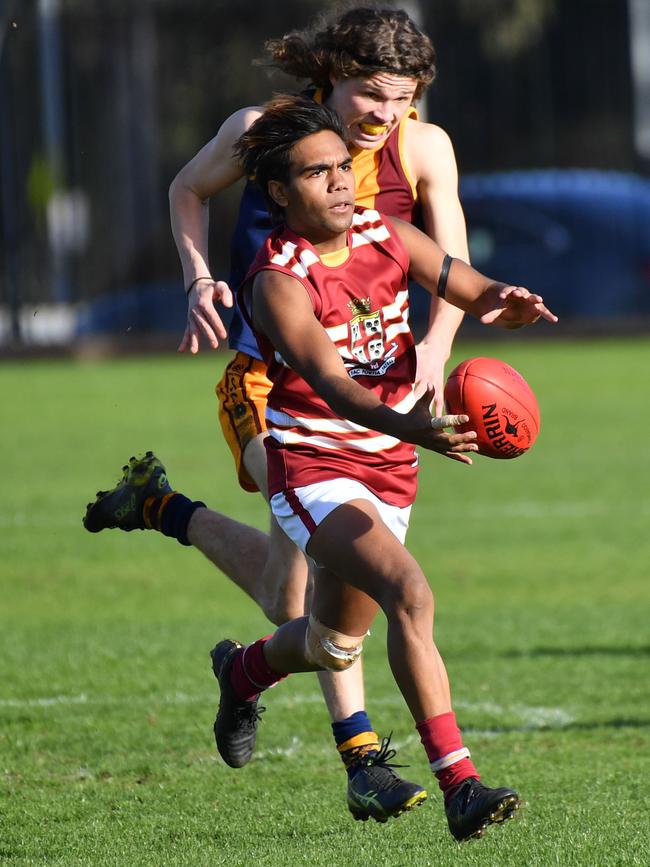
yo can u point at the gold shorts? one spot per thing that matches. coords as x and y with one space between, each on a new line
242 393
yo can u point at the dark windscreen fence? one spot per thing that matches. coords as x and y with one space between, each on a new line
535 85
102 103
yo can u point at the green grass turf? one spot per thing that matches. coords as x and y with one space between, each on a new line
540 570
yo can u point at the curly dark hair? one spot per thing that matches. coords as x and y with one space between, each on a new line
357 44
264 150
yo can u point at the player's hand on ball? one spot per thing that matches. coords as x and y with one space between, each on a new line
202 317
513 307
429 431
453 445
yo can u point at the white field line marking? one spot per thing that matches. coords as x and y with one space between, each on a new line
530 718
294 747
46 702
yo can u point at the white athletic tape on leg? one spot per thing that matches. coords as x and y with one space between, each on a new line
329 649
449 759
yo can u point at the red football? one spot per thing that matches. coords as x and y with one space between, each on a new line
501 406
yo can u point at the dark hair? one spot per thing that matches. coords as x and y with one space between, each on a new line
357 44
264 150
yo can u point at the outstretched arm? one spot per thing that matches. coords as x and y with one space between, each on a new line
305 347
492 302
212 170
432 162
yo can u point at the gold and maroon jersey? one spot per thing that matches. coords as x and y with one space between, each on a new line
382 179
362 303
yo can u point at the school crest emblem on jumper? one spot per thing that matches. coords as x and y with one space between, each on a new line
366 332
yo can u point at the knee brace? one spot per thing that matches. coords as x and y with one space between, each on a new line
329 649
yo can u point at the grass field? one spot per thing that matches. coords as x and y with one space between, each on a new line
540 568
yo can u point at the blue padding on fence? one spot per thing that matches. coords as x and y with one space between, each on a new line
580 238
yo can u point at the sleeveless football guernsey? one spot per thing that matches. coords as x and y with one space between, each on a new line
363 306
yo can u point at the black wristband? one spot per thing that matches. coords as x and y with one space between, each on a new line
194 282
444 273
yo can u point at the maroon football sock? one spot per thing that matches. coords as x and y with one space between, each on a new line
449 759
250 673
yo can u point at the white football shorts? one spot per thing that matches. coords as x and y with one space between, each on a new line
300 510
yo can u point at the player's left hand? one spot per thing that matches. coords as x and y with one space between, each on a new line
430 374
429 431
203 321
513 307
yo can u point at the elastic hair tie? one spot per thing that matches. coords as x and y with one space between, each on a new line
194 282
